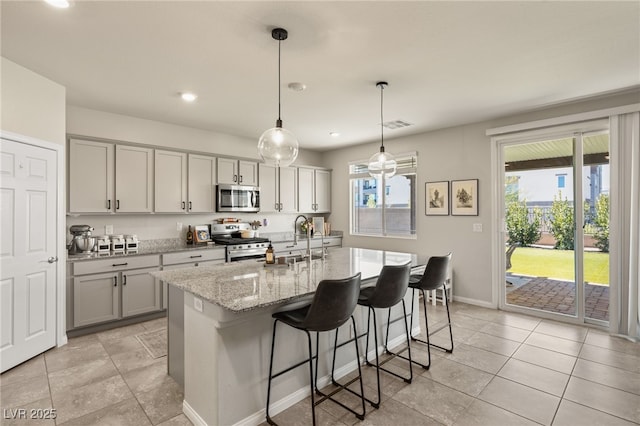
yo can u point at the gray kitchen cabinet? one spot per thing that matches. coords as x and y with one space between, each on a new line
91 169
111 289
184 182
134 179
237 172
201 184
314 190
278 189
95 299
140 292
170 181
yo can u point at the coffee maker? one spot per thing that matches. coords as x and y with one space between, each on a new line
81 242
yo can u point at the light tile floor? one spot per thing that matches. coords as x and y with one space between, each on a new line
506 369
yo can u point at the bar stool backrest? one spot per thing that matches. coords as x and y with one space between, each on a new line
435 274
391 286
333 304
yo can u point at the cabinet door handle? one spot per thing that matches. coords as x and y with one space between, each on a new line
115 281
120 264
290 246
117 204
195 256
183 205
108 204
124 280
190 205
326 242
235 178
277 206
240 179
196 264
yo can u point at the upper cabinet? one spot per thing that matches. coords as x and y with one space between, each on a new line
314 190
170 182
91 168
278 191
94 167
184 182
134 179
237 172
202 180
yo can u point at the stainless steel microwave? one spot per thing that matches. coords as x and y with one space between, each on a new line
237 198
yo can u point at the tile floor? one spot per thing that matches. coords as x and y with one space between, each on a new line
506 369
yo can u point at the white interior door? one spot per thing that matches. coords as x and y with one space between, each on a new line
28 259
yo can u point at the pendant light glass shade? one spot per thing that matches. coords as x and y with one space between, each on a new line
278 146
382 163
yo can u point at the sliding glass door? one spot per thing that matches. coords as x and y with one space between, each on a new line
554 197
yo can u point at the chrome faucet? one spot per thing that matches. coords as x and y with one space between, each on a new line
295 234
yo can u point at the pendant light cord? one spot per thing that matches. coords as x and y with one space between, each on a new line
381 117
279 84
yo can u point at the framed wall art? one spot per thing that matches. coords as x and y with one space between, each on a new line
437 198
464 197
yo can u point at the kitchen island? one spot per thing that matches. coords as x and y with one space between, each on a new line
220 331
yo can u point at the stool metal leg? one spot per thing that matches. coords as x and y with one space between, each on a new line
312 383
340 386
273 340
448 324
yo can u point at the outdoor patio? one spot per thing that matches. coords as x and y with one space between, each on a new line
555 295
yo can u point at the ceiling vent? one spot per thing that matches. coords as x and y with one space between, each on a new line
396 124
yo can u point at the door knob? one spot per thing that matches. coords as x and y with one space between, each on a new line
52 259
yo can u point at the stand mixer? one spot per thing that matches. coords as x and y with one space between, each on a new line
81 242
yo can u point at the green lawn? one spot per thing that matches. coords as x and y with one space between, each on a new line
559 264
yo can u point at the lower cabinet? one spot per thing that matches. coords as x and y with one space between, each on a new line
112 289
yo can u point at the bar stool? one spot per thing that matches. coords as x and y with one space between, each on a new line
434 277
389 290
332 305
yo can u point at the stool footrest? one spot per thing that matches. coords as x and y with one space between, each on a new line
341 387
293 367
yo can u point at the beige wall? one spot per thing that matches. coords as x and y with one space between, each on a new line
462 152
31 105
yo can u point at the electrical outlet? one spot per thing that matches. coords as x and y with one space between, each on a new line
178 226
197 304
108 229
477 227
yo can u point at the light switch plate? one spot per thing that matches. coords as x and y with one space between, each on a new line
108 229
178 226
477 227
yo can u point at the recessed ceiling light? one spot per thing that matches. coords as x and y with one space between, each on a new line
188 96
61 4
334 134
296 86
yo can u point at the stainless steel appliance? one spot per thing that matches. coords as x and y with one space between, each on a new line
81 239
238 248
237 198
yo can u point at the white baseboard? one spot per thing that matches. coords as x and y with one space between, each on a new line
475 302
192 414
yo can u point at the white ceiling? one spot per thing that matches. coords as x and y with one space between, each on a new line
447 63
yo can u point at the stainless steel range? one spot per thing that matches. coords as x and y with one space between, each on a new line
239 242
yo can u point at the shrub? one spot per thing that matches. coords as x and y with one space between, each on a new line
602 223
521 231
562 223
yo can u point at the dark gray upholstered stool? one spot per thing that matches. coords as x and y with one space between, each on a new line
332 306
389 290
434 277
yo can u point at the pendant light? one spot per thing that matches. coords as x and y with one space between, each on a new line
278 146
382 163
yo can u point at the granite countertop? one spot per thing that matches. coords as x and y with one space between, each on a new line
171 245
147 247
250 284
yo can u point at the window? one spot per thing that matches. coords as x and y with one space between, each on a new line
561 179
385 208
